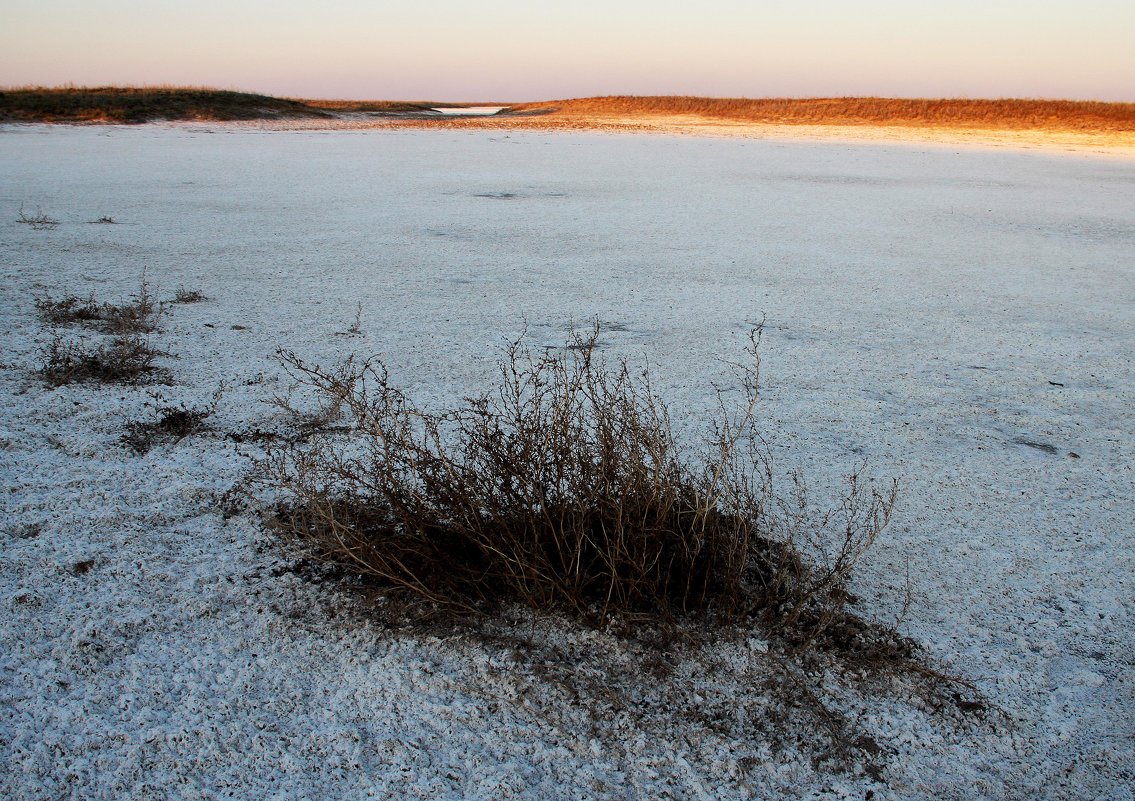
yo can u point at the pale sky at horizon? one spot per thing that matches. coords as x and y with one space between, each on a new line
512 50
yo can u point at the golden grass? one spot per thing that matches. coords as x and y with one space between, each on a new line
1066 115
1004 117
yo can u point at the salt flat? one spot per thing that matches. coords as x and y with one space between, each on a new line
960 318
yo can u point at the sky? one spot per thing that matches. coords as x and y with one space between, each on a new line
517 50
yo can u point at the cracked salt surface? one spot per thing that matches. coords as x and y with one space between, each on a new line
150 648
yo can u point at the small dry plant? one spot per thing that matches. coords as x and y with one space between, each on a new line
126 359
183 295
69 309
38 221
175 422
139 315
356 328
564 488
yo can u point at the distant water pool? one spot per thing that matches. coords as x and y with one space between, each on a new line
471 111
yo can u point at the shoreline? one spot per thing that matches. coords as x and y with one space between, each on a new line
1105 143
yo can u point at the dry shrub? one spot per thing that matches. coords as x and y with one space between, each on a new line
183 295
127 359
564 488
138 316
174 423
68 310
38 221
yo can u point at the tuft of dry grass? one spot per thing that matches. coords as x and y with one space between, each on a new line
68 309
127 359
138 316
184 295
563 488
174 423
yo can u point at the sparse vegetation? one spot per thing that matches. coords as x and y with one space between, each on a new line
118 104
174 423
69 309
565 489
183 295
1072 115
138 316
127 359
356 328
38 221
141 104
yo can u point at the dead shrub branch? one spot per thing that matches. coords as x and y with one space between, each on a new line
38 221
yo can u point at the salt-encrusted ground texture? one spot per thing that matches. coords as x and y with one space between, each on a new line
960 318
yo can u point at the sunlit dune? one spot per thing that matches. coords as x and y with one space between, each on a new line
1057 123
1007 113
1017 121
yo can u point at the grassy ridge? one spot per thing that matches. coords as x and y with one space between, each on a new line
999 114
143 104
